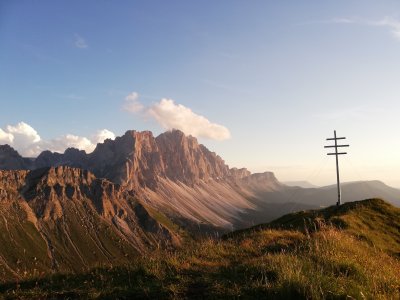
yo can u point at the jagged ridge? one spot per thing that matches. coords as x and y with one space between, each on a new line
137 159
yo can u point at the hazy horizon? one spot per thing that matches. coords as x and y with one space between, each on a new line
262 85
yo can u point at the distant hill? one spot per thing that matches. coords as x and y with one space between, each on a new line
271 204
351 191
302 184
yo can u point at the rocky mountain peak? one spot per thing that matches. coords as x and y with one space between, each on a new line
263 176
8 149
187 161
138 160
47 159
132 160
239 173
262 181
11 160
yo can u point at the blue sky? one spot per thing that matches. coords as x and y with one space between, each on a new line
273 79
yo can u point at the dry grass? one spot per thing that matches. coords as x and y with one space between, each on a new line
327 263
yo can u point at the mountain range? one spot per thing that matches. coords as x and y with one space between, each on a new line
72 210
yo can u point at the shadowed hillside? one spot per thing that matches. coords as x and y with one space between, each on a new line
334 253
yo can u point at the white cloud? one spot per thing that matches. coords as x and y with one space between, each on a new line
69 141
28 142
5 137
24 138
176 116
389 22
23 131
102 135
80 42
132 103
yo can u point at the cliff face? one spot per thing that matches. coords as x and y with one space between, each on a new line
137 159
132 160
186 161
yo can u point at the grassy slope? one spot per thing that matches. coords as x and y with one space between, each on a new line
262 262
373 220
22 248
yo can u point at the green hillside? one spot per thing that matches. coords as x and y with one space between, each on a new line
350 252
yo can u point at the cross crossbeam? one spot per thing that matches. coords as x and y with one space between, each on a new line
337 153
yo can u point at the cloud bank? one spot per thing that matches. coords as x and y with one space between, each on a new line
28 142
170 115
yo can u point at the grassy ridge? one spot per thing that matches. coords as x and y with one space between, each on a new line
374 221
264 262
